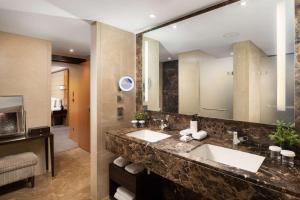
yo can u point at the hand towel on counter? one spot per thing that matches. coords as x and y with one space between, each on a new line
134 168
185 138
199 135
121 162
124 194
186 132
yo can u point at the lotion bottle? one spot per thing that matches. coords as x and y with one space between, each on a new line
194 124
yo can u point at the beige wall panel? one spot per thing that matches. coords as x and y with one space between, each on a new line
25 70
112 56
188 82
248 59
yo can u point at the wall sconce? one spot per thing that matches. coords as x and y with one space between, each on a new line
281 57
146 71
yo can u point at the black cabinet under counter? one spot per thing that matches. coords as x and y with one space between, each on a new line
145 186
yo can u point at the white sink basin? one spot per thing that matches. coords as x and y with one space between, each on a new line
148 135
246 161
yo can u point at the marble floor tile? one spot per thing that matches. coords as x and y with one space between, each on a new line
72 180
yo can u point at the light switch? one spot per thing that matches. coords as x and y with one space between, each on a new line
120 112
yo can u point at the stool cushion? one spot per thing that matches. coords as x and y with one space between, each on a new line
17 161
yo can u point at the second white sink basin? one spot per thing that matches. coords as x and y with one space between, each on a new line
148 135
246 161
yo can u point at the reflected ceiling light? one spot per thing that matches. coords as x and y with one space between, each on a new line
243 3
71 50
174 26
152 16
169 58
231 53
281 51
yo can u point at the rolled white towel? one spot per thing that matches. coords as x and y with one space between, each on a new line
118 196
121 162
134 168
185 138
199 135
186 132
124 194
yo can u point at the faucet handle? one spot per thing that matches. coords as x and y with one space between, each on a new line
167 117
243 138
232 132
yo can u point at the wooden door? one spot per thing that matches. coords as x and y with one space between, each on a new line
79 113
84 108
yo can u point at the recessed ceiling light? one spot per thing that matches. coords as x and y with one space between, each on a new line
169 58
243 3
174 26
152 16
71 50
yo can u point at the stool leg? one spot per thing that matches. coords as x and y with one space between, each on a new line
32 181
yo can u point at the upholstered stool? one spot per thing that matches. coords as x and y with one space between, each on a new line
18 167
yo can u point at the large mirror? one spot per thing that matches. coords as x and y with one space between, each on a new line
227 63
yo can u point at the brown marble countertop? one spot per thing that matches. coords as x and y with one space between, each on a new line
271 175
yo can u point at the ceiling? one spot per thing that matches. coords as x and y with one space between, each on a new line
64 33
216 31
66 22
130 15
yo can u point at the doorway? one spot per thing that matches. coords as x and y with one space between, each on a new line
70 99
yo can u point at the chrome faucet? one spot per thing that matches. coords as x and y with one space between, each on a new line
164 123
236 139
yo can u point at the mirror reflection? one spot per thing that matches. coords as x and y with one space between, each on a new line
12 119
225 64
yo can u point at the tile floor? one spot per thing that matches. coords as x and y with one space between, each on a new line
72 181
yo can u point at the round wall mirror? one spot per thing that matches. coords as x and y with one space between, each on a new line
126 83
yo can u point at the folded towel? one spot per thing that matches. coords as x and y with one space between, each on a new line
118 196
186 132
124 194
134 168
199 135
121 162
185 138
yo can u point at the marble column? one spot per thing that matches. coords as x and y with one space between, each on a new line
297 66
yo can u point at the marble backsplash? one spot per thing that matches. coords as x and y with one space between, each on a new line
216 127
258 134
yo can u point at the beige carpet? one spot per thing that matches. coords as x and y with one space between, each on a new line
72 181
62 142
